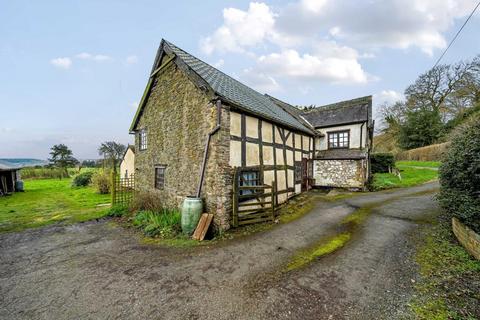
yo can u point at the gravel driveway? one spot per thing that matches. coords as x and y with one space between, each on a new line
97 270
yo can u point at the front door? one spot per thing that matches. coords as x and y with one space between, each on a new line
304 174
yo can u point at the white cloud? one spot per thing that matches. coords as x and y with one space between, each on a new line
93 57
64 63
219 63
241 29
260 81
387 96
367 24
329 62
131 59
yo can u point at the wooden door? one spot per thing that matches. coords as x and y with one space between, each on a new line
304 174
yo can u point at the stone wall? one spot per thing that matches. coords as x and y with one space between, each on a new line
178 117
467 237
340 173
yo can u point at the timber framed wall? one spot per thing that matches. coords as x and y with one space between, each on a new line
272 149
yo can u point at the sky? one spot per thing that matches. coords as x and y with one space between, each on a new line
73 72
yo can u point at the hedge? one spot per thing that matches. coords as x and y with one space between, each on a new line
460 175
382 162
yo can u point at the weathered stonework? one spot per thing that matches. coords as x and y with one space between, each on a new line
467 237
340 173
178 117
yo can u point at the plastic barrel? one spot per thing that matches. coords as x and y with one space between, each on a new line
19 185
192 208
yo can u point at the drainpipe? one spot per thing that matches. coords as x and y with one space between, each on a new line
207 144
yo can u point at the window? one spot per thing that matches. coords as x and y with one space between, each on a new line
339 139
298 171
160 177
142 139
249 178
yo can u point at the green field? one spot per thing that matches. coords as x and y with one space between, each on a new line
47 201
412 173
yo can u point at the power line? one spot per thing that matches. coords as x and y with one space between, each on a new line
460 30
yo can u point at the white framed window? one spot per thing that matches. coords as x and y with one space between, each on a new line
142 139
160 177
339 139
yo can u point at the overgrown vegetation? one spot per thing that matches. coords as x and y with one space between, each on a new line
450 284
411 175
382 162
101 181
460 176
164 224
82 179
45 173
46 201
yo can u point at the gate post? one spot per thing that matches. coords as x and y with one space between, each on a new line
113 186
235 198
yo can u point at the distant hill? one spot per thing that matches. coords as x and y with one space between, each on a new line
23 162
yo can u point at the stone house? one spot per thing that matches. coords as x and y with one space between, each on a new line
195 125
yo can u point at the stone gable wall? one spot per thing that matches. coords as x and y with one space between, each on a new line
340 173
178 117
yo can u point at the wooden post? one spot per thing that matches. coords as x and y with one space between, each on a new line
113 186
235 199
273 201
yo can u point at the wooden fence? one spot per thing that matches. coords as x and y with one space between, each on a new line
252 202
123 189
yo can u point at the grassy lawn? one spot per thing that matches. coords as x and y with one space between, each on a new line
425 164
47 201
411 175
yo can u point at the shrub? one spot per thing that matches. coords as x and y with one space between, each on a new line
82 179
166 223
117 211
381 162
146 201
460 175
101 181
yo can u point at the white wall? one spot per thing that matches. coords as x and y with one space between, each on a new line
322 142
127 166
253 156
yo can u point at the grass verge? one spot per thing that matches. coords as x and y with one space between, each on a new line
410 177
47 201
424 164
449 287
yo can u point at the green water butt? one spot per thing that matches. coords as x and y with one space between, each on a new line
192 208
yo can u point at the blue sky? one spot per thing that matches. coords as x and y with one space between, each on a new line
73 71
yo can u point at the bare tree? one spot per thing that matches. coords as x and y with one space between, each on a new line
112 151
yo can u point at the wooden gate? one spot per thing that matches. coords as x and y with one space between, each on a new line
253 202
123 189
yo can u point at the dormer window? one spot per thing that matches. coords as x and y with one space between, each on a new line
142 139
339 139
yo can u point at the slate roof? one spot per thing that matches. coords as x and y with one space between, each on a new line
340 154
350 111
234 92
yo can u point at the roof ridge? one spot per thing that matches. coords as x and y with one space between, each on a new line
172 44
340 104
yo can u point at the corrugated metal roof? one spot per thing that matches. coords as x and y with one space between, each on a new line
238 93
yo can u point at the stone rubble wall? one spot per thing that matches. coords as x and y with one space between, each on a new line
340 173
178 117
